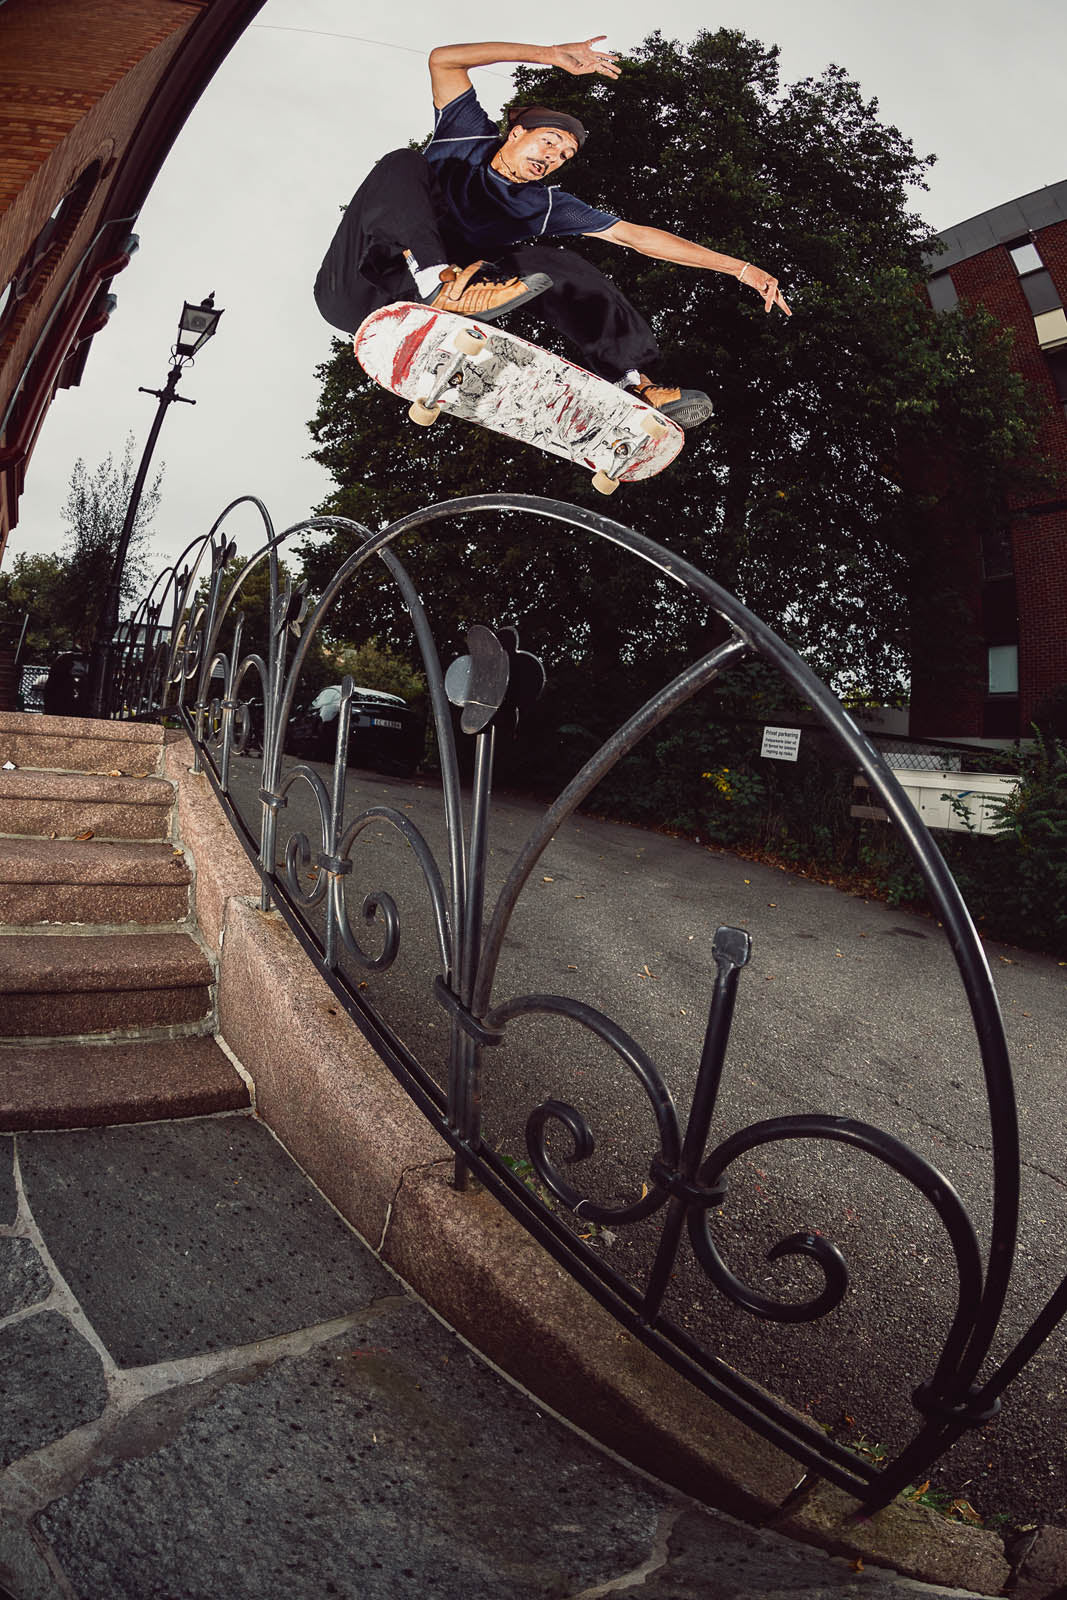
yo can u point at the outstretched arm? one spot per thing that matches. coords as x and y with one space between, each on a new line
665 246
450 63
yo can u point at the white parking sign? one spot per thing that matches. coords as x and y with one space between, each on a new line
781 744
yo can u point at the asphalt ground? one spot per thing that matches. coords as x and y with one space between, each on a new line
848 1007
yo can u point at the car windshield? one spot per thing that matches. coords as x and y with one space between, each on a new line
327 703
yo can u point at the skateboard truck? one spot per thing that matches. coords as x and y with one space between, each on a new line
467 342
656 428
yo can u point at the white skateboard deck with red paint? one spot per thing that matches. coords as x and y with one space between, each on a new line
515 388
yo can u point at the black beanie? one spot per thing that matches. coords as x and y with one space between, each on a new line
543 117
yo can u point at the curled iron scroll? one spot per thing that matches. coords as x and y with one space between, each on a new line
915 1169
558 1113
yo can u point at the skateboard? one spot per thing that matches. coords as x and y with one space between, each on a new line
444 363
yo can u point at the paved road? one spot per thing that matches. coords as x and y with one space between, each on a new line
848 1007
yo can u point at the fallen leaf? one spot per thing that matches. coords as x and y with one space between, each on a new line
966 1512
918 1493
548 880
115 773
857 1565
88 833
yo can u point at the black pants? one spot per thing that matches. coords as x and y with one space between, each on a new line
397 208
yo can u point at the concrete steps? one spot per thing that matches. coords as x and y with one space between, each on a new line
55 985
96 1084
79 744
106 992
63 804
62 880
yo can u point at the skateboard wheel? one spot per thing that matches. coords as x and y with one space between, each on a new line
603 484
423 415
469 341
653 424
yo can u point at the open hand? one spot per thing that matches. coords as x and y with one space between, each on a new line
581 59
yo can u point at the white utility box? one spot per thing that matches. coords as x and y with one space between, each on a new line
930 794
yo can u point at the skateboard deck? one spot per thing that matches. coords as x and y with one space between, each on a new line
459 367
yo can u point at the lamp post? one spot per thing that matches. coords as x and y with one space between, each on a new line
196 327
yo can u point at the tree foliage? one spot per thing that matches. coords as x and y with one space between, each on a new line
95 511
35 586
809 494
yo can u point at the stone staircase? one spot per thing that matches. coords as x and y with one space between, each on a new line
107 1008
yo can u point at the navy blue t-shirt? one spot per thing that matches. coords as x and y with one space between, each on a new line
485 211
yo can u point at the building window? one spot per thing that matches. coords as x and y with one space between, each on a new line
942 292
1046 307
1057 366
997 559
1040 291
1003 669
1051 329
1026 256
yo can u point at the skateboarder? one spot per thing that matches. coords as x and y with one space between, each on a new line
449 227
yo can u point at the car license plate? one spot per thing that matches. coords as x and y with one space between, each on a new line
385 722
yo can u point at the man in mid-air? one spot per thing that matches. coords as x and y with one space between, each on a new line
452 227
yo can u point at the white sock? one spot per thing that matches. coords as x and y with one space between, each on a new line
428 280
631 377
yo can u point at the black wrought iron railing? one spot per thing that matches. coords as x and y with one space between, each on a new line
410 901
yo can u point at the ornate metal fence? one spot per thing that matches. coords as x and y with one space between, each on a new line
185 657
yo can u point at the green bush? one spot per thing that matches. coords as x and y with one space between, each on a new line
700 773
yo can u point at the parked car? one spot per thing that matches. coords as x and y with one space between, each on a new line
385 732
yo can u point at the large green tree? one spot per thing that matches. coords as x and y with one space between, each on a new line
803 494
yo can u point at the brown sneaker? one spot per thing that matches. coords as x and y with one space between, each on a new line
687 407
478 291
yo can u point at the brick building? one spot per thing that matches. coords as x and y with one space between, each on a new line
92 95
1013 261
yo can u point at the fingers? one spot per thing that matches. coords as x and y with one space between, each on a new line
767 288
581 59
772 296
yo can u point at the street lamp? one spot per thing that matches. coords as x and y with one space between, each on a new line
196 326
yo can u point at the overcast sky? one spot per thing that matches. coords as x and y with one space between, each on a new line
316 90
